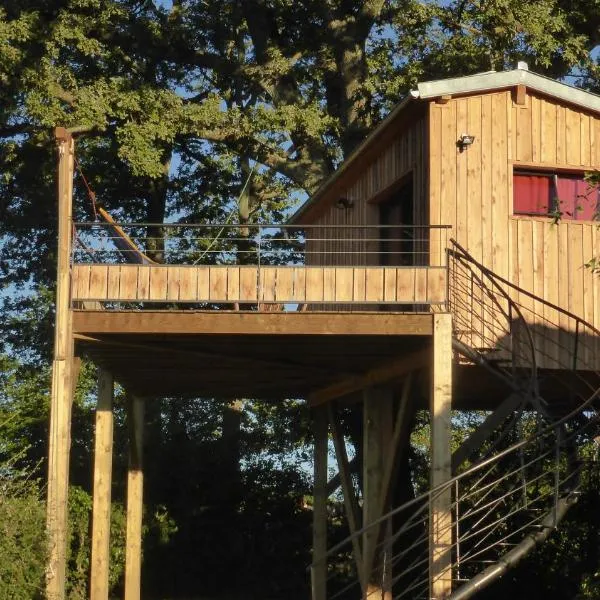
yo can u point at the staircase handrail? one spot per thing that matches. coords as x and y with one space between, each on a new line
492 275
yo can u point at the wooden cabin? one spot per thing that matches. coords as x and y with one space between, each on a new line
429 258
501 159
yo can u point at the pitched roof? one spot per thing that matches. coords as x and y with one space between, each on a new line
470 84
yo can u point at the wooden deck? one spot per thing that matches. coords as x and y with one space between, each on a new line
249 354
252 284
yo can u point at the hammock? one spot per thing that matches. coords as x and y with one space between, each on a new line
125 245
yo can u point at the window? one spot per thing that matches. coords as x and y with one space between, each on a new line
551 194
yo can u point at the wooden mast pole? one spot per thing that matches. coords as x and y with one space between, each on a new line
440 511
319 570
100 559
62 379
135 502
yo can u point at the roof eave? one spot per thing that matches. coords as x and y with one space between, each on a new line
339 172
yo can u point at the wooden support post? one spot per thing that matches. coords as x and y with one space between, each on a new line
319 569
377 431
135 503
350 502
102 488
62 381
440 512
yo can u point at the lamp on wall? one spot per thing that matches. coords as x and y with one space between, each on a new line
344 203
464 141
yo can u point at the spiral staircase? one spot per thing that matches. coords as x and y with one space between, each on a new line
520 467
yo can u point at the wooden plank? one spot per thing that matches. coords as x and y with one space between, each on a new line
267 277
143 291
319 564
284 292
551 295
461 158
576 267
588 293
436 285
135 503
100 553
374 285
129 282
440 548
344 284
536 128
561 135
98 282
405 285
113 282
499 259
62 380
563 292
218 284
188 284
314 284
233 284
447 167
80 282
421 285
548 132
173 282
245 322
158 283
389 284
585 139
248 284
359 291
328 284
487 183
203 293
573 137
524 132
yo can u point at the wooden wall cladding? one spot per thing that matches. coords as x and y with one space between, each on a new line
151 283
472 191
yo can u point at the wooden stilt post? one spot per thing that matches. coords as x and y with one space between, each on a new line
377 431
62 380
135 503
440 513
319 570
102 488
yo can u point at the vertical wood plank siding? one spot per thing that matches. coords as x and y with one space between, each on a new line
472 191
229 284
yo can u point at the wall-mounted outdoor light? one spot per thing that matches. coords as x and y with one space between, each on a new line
464 141
344 203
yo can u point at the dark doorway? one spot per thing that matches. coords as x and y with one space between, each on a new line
396 214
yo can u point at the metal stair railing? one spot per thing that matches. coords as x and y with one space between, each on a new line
512 495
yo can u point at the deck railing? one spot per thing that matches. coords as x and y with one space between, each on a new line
264 264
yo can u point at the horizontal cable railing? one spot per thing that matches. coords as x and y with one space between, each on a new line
197 244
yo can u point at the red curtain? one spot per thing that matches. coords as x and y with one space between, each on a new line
577 200
532 194
540 194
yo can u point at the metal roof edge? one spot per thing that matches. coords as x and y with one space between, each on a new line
492 80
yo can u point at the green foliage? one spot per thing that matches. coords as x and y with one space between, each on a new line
80 513
22 541
22 527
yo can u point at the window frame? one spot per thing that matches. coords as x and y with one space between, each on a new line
553 173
